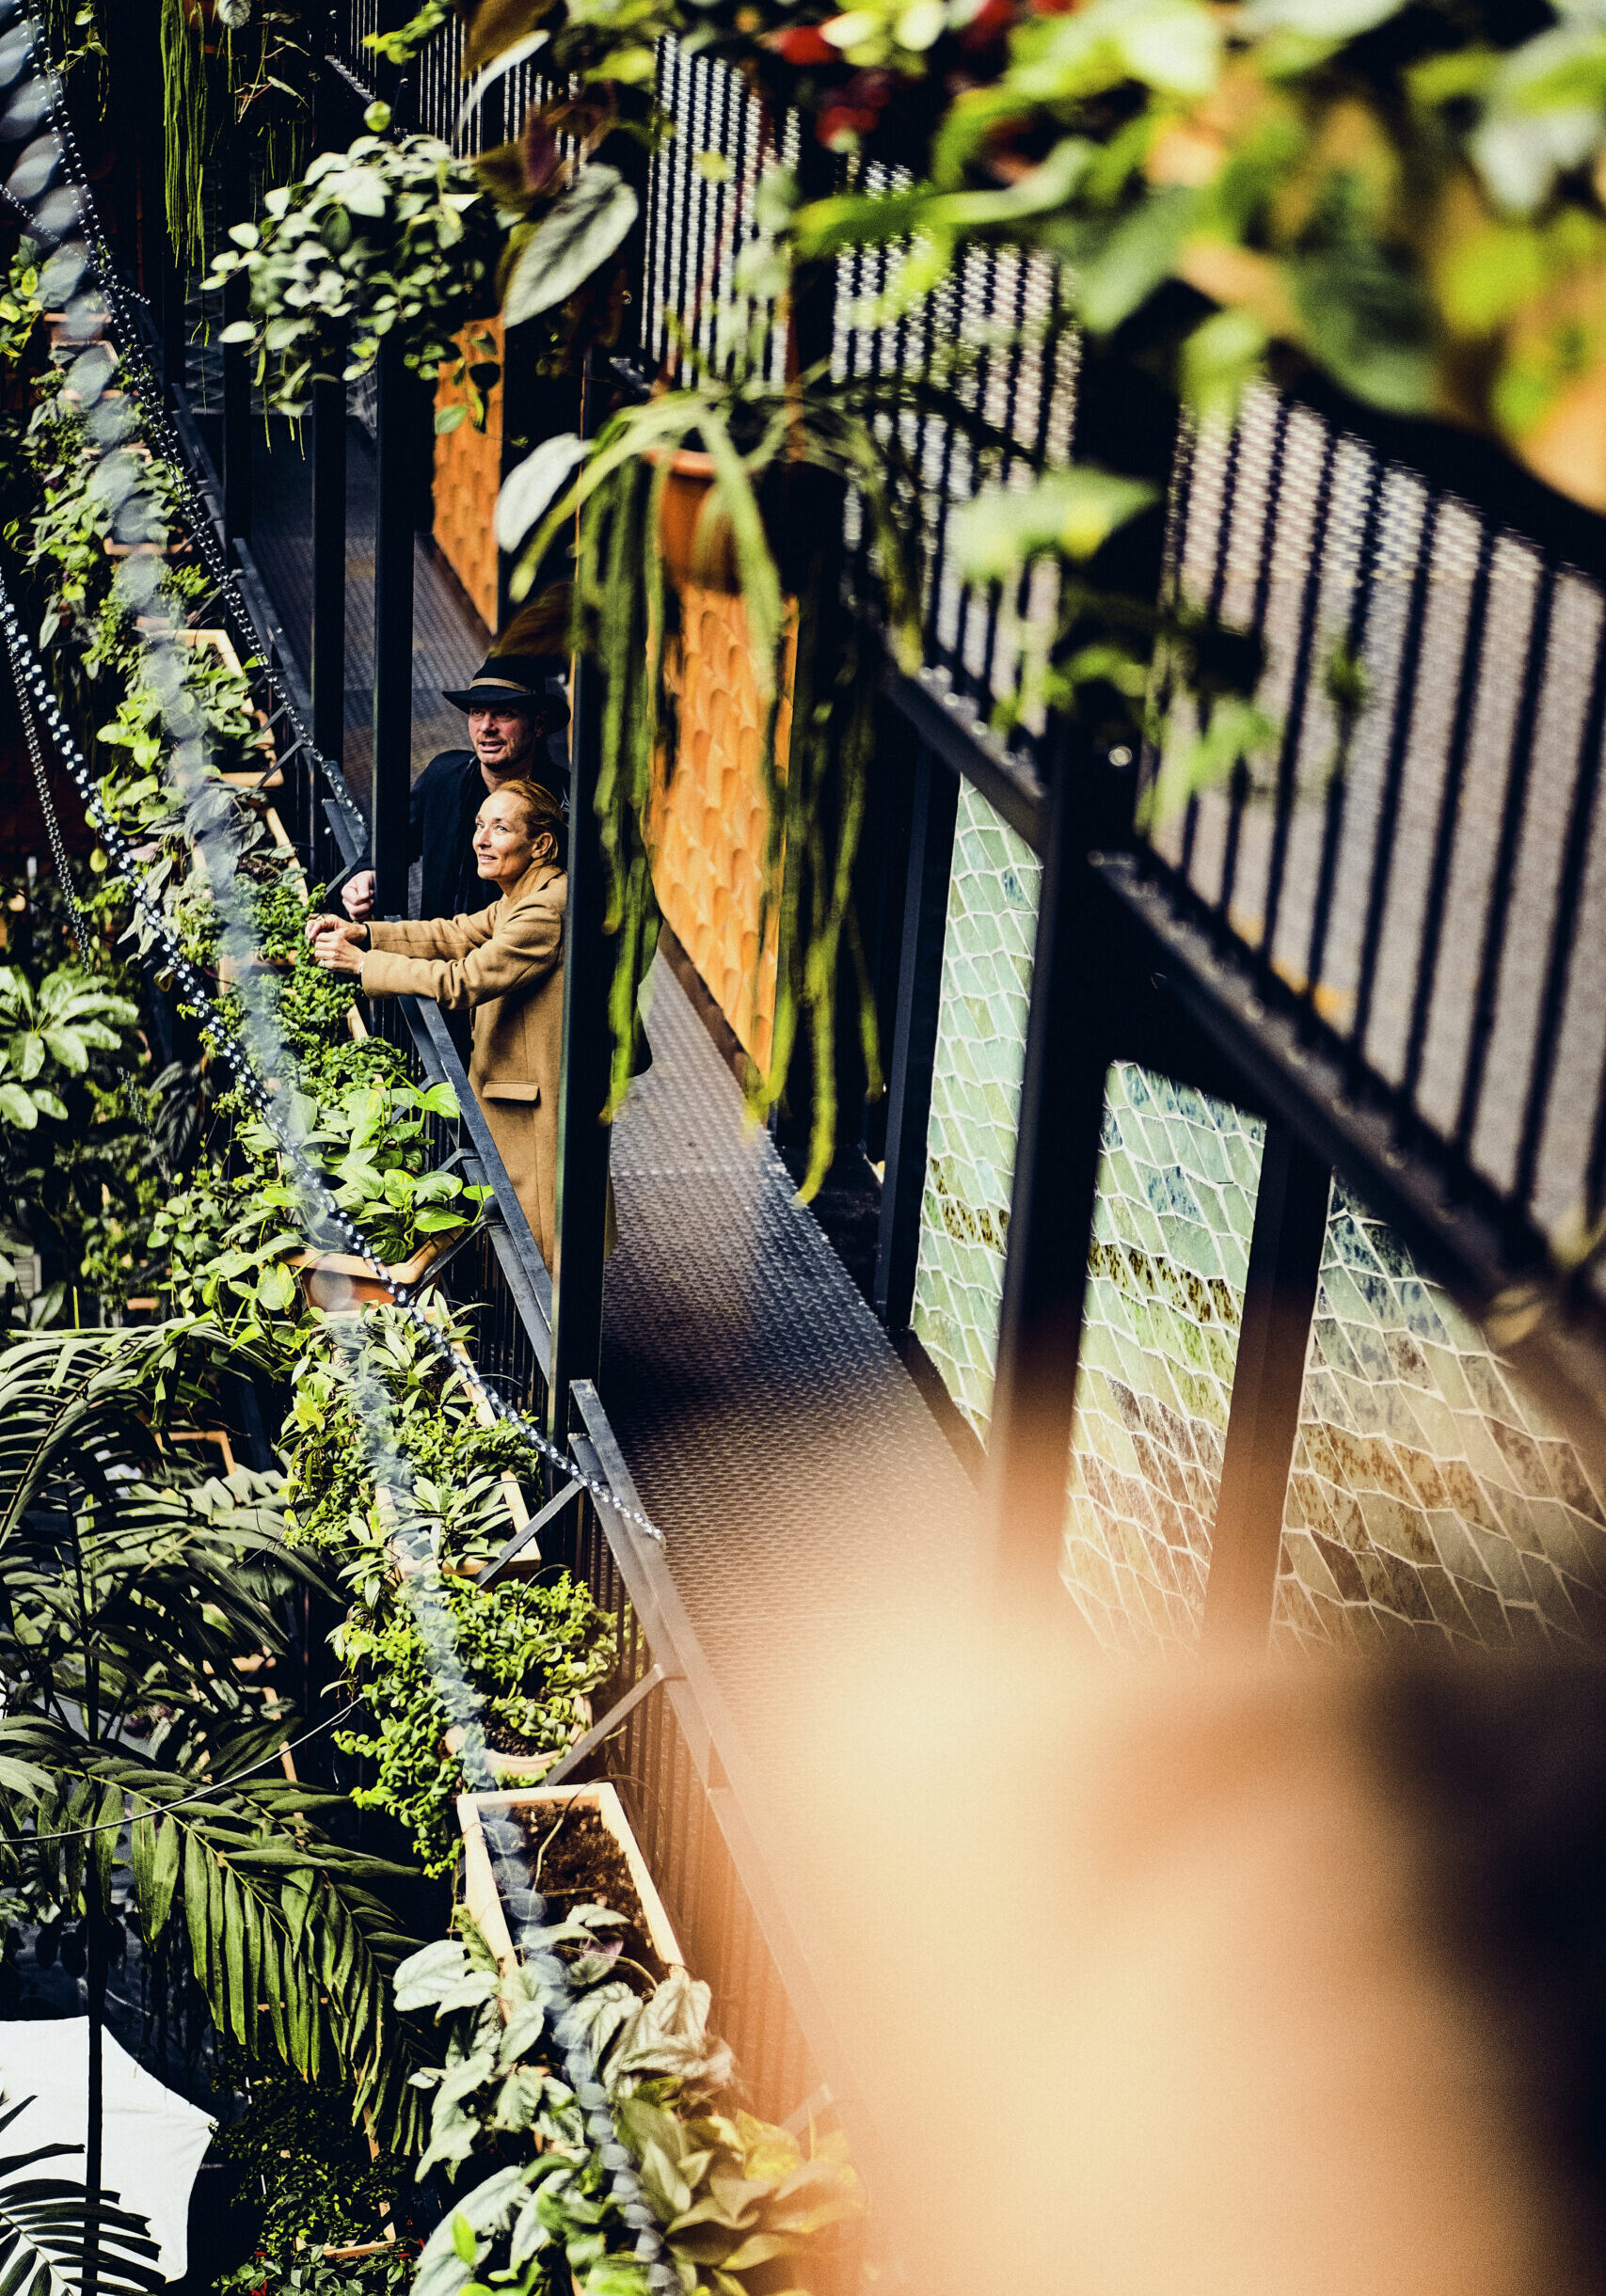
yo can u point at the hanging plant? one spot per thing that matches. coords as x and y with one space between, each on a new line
741 483
236 67
386 236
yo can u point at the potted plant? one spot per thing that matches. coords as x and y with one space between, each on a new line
740 2205
738 479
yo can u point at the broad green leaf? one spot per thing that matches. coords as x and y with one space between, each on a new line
1136 257
16 1108
1067 513
529 490
1325 20
587 224
1219 360
68 1046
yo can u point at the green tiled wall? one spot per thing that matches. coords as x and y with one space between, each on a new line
1176 1203
1428 1495
970 1149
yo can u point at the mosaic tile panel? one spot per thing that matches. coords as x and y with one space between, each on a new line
1176 1205
976 1090
1429 1495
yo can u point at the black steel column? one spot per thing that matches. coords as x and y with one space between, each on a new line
914 1038
1280 1298
236 368
328 569
394 494
1068 1045
584 1137
589 954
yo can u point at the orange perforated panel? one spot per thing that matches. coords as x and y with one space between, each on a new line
468 474
708 824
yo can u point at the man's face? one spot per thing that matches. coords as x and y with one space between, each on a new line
504 739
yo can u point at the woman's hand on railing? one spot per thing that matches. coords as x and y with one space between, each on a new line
337 944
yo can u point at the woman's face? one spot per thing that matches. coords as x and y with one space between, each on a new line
504 846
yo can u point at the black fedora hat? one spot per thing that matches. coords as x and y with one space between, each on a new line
507 681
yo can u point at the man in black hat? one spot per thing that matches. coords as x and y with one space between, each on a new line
516 715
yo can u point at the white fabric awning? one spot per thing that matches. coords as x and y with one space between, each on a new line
151 2140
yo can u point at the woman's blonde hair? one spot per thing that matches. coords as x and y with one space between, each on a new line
544 816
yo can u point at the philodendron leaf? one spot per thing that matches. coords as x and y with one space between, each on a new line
1067 514
583 230
529 490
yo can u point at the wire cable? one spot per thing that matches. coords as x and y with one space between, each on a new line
221 1786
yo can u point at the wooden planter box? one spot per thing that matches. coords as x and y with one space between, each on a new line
479 1877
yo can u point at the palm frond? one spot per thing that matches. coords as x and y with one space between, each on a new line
42 2230
291 1935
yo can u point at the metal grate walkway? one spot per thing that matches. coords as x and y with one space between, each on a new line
804 1490
805 1493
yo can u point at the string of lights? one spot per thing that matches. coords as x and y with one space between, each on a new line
318 1211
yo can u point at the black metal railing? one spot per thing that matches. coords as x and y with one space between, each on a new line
677 1759
1387 922
1411 865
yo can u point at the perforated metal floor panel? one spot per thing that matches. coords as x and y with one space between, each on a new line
802 1487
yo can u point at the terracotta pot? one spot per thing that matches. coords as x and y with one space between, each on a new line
799 504
339 1280
695 550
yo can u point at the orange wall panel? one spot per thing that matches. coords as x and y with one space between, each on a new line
708 823
467 475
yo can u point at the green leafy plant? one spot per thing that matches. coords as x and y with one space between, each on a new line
533 1651
458 1463
743 2206
77 1172
783 453
386 236
127 1587
372 1144
301 2146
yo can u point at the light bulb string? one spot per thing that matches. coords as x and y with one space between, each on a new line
25 666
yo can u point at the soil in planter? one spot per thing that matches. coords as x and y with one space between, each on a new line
581 1864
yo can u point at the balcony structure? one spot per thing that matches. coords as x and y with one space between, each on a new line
1216 1268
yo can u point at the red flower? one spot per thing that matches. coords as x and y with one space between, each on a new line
802 43
992 20
844 120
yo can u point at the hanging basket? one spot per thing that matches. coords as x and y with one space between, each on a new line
696 542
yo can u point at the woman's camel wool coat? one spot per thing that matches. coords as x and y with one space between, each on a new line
505 965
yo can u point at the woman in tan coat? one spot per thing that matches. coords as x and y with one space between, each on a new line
507 966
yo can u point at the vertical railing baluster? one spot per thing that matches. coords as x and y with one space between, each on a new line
1402 711
1467 685
1581 817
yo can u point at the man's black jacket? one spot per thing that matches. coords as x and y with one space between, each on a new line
446 796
